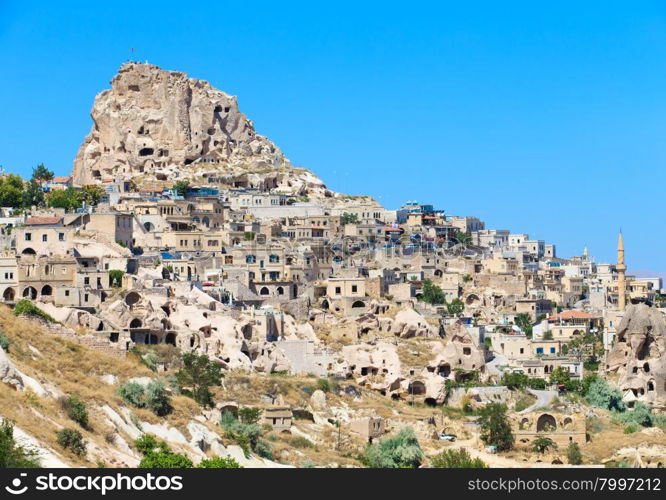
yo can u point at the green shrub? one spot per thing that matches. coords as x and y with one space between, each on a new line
514 380
323 385
12 455
157 399
219 463
574 456
456 459
76 410
264 450
630 429
398 452
158 455
602 395
640 415
132 393
26 308
150 360
536 383
4 342
245 435
152 397
71 439
301 442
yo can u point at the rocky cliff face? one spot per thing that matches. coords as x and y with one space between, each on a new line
639 355
161 125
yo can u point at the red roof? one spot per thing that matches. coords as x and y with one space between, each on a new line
62 179
42 221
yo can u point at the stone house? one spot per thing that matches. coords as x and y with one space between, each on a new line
40 276
368 428
279 418
8 276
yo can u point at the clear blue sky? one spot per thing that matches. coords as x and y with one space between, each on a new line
540 117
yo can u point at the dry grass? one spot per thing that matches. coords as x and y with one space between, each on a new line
416 352
72 369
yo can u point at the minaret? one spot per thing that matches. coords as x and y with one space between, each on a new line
621 268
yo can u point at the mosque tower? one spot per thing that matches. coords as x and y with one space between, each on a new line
621 269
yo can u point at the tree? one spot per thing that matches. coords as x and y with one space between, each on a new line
574 456
456 459
33 195
249 415
455 307
12 455
463 238
524 322
41 174
198 375
180 187
69 199
401 451
432 294
11 191
91 194
495 426
560 376
116 277
514 380
542 444
349 219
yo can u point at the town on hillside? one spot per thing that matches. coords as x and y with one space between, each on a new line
229 305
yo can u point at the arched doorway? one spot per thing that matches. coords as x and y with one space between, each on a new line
30 293
170 339
135 323
358 304
9 294
47 290
546 423
264 291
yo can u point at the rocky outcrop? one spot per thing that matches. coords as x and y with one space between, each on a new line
157 125
639 355
8 374
408 323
